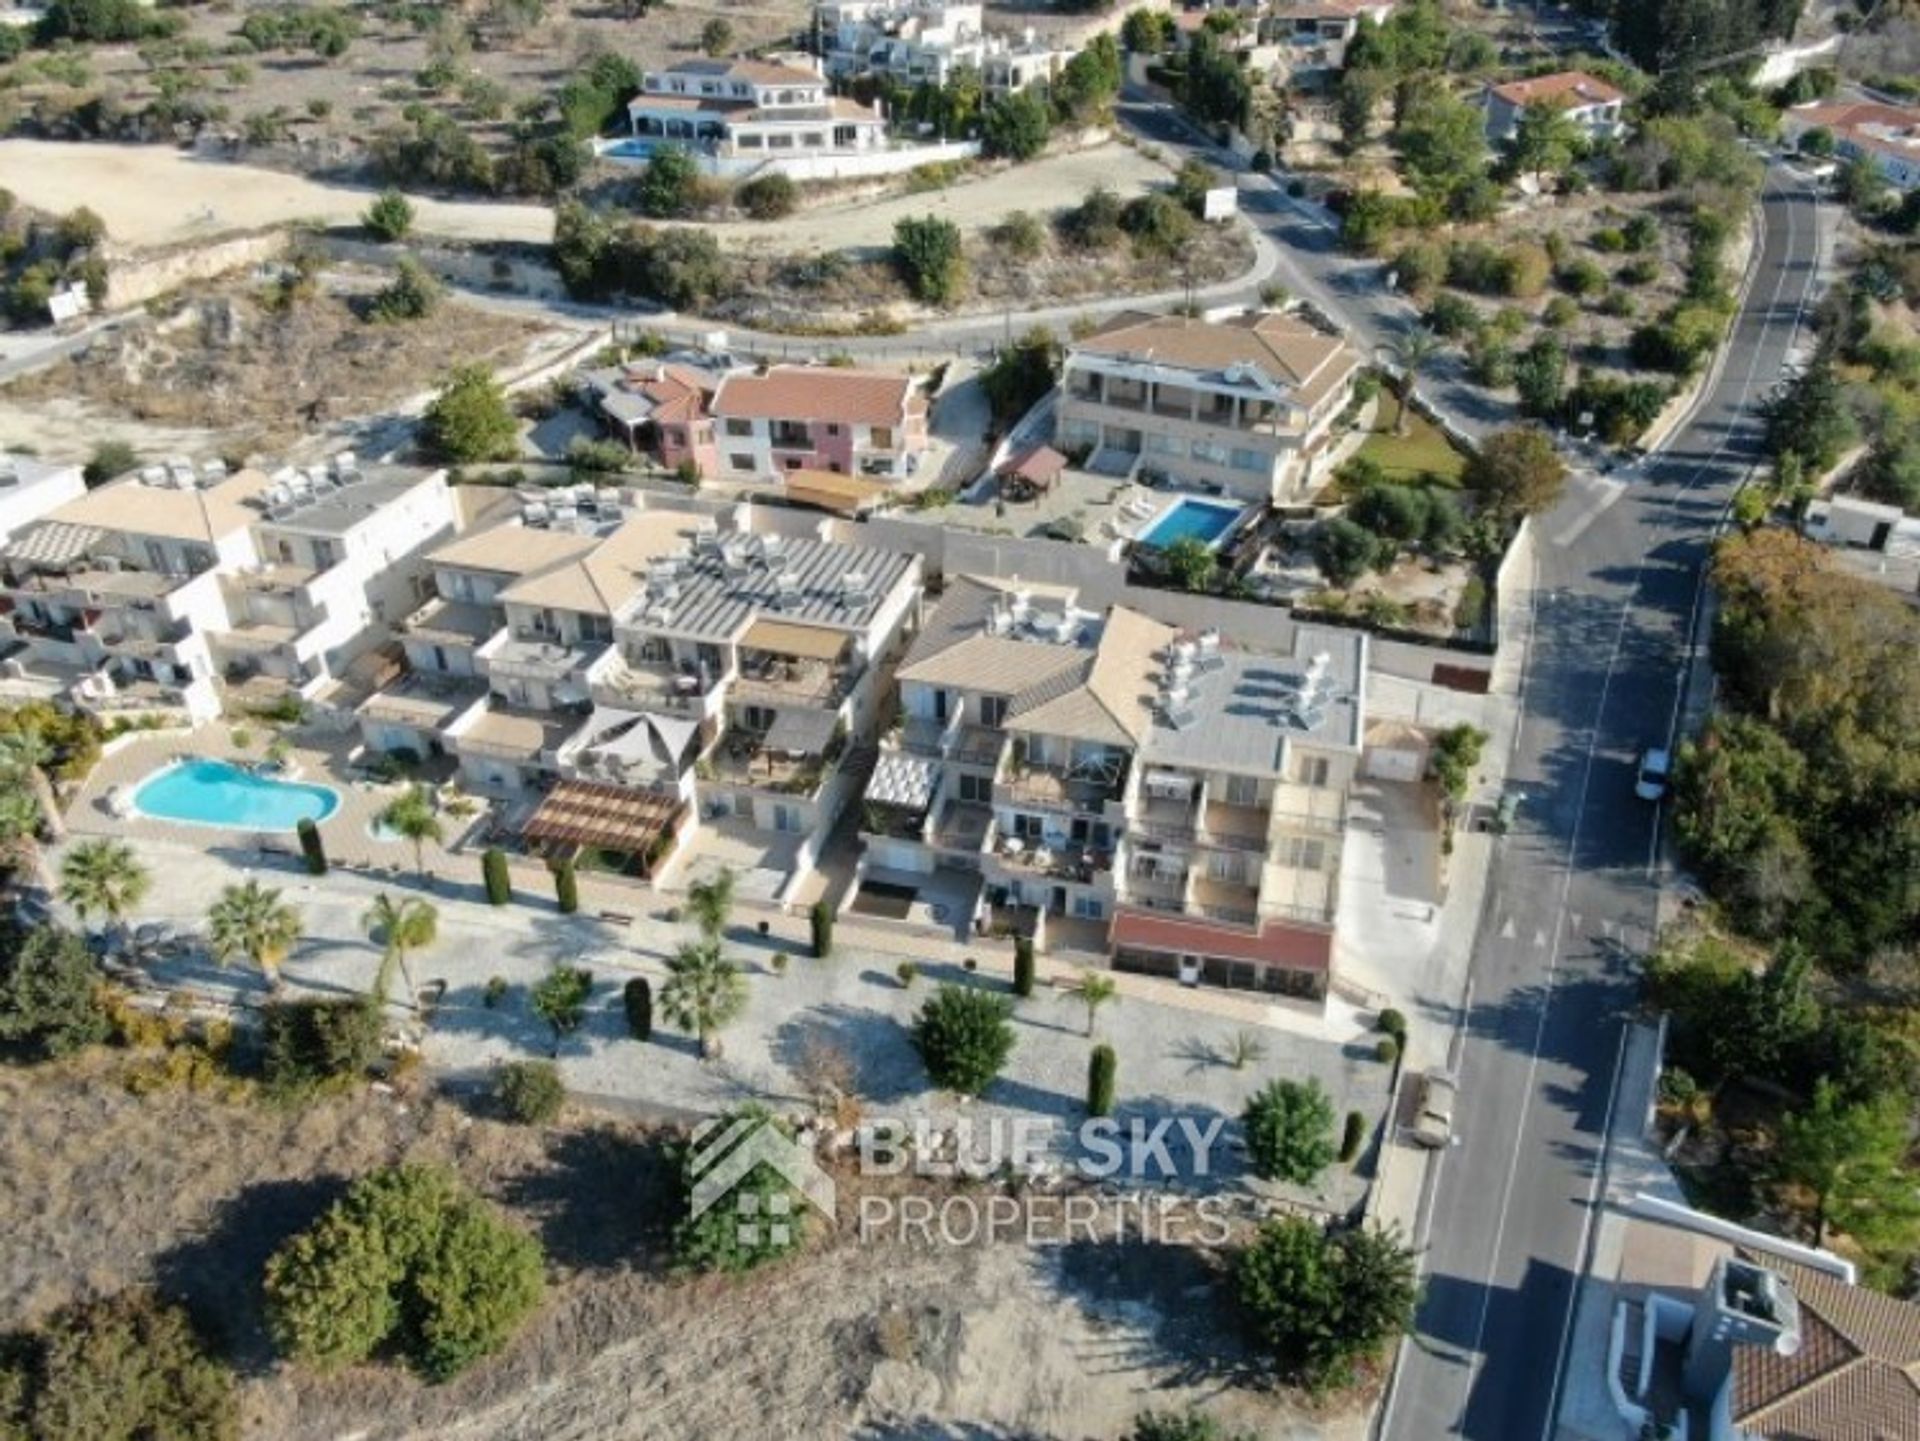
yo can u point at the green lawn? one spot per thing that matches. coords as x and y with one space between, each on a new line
1406 457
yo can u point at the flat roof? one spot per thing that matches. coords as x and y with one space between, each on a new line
1248 707
721 588
339 511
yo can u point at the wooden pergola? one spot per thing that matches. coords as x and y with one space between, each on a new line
606 817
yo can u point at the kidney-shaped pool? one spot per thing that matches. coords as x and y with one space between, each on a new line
218 793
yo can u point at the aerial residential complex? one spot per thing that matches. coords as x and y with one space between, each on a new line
926 41
1111 779
163 589
1888 135
723 676
1244 406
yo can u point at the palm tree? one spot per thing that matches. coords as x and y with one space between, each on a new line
103 876
26 753
711 903
413 817
1411 351
20 834
704 992
1093 991
399 926
252 922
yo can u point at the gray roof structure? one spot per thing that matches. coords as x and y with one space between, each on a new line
1246 707
726 583
338 510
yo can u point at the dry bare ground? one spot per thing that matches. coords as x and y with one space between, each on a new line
226 361
101 1190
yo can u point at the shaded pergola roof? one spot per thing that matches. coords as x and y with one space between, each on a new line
805 642
802 731
607 817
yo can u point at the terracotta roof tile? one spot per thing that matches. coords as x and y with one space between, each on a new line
1568 87
815 392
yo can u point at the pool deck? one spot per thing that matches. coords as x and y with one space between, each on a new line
1233 511
329 793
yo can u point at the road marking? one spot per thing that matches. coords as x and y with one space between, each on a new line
1539 936
1627 610
1507 932
1609 492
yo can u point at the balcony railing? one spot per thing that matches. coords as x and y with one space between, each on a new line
1063 788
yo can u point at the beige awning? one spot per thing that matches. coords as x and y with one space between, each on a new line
784 637
829 490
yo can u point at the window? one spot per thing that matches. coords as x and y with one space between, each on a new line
993 711
1088 908
1225 866
748 141
742 463
1251 460
1027 827
1208 452
1243 791
1302 853
1158 444
881 437
976 788
832 428
1311 771
737 426
786 819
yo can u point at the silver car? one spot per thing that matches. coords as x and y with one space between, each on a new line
1433 1123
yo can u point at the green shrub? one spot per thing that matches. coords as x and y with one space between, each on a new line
312 849
499 882
1023 966
530 1091
566 887
931 258
761 1220
410 1259
1353 1137
908 972
49 993
1101 1065
820 920
304 1044
125 1367
1387 1050
1289 1131
110 459
1393 1022
495 992
768 197
963 1037
637 998
389 218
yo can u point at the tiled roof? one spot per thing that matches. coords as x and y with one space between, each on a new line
1568 87
603 579
1856 1376
1273 943
1114 704
758 72
954 649
134 507
1285 349
513 549
815 392
1838 113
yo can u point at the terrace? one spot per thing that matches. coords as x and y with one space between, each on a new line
514 733
665 686
451 622
1057 860
540 659
1088 785
786 664
792 756
423 701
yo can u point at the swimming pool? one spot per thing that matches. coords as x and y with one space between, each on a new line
1192 517
217 793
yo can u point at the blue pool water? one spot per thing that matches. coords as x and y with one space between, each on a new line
215 793
1192 518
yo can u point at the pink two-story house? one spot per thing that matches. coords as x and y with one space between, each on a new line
793 417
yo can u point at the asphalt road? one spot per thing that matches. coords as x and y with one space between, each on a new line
1573 890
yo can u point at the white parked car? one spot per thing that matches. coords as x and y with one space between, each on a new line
1650 777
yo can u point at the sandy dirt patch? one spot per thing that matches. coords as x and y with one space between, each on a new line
974 205
100 1190
150 196
228 362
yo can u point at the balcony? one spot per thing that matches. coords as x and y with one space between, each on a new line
786 759
545 660
1071 861
423 701
459 623
653 686
961 826
515 733
1085 786
788 680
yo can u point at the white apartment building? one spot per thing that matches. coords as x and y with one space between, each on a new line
1245 405
1107 782
655 664
162 590
924 42
31 488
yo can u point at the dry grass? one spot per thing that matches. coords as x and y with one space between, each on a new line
228 360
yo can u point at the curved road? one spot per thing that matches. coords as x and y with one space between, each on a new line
1574 887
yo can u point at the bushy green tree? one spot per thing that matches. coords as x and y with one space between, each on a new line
560 999
704 994
669 185
1182 1426
1516 472
1017 127
126 1368
414 293
408 1258
1190 564
963 1036
760 1220
1021 374
772 196
469 419
310 1043
1344 550
1321 1303
931 258
1101 1067
49 993
1289 1131
1851 1159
